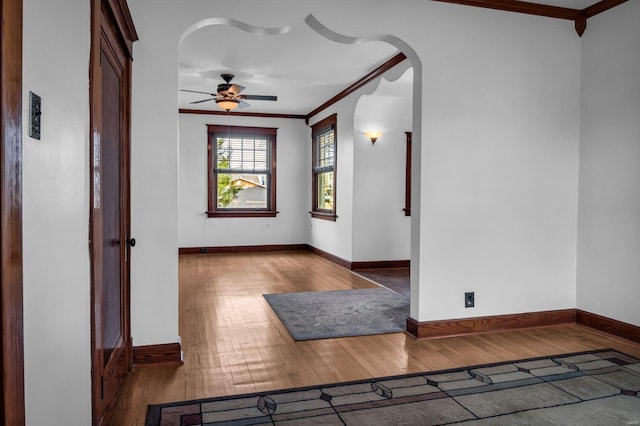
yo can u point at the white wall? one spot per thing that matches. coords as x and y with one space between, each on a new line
496 196
56 215
499 164
293 157
379 235
381 230
499 110
609 208
154 182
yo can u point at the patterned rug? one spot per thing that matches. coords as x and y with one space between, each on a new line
591 388
342 313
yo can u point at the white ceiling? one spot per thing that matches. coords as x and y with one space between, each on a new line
301 67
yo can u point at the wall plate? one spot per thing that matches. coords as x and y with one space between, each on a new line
35 112
469 299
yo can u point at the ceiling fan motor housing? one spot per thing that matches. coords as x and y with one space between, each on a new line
223 89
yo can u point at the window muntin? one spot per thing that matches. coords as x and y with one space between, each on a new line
324 169
242 171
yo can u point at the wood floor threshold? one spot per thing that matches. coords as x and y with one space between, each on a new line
155 355
380 264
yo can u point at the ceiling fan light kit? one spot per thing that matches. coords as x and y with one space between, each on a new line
228 95
227 104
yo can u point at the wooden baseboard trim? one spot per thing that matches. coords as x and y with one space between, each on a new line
240 249
380 264
608 325
331 257
154 355
465 326
286 247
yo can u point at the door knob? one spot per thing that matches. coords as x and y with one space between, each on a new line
131 242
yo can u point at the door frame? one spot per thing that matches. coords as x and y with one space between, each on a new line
110 20
12 411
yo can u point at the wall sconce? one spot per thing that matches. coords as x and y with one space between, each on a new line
373 135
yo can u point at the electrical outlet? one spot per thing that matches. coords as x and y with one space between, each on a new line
204 250
469 299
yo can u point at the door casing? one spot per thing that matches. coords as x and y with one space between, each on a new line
12 403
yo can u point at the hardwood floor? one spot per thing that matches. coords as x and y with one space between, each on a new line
233 343
396 279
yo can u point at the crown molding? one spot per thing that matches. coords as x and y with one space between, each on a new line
601 6
520 7
579 17
358 84
242 114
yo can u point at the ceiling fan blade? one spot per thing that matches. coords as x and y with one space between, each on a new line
260 97
196 91
235 89
242 104
204 100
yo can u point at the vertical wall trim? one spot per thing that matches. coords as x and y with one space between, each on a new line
12 405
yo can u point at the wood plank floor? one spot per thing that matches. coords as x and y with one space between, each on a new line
233 343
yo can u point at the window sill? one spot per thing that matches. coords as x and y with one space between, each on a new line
242 213
324 216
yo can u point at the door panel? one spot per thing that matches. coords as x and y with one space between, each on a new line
112 256
110 112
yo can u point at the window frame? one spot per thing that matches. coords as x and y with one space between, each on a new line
318 129
407 177
212 176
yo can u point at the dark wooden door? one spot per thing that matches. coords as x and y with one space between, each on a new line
110 226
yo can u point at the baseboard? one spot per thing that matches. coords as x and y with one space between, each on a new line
326 255
153 355
608 325
282 247
380 264
465 326
240 249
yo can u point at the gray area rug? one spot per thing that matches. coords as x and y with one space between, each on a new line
343 313
590 388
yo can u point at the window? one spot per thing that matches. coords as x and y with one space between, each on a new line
323 139
242 171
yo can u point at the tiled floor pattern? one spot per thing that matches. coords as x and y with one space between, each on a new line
593 388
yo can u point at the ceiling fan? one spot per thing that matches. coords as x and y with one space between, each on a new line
228 96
